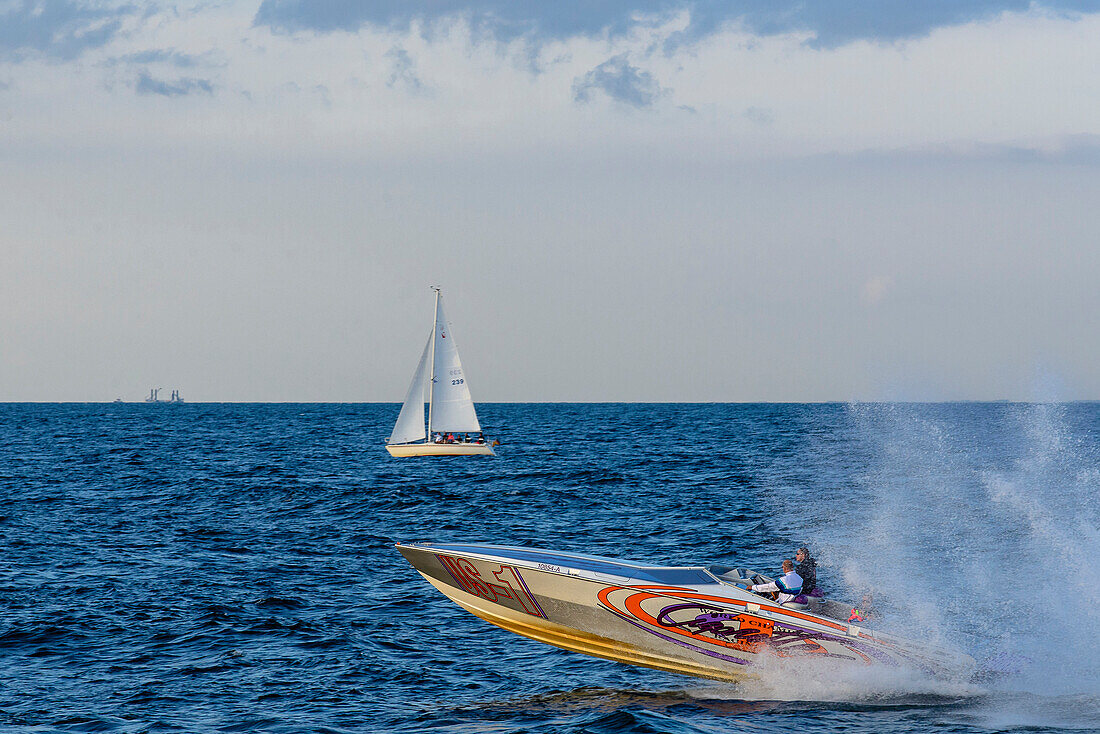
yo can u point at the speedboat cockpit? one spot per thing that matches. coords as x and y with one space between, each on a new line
815 604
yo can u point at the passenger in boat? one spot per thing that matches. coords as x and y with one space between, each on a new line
465 438
437 438
450 438
481 438
787 587
807 569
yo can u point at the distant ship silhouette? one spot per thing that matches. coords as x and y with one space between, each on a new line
154 396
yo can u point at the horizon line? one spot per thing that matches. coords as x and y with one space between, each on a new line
959 401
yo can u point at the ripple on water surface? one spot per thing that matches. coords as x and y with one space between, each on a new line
230 567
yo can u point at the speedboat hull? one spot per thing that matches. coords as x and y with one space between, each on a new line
440 449
683 620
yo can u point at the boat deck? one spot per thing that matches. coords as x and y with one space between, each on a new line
548 560
439 449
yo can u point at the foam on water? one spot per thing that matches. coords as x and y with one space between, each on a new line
801 679
1047 505
977 531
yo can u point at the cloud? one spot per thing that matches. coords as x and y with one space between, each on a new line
875 289
927 159
619 80
1073 149
403 71
833 23
760 115
980 90
168 56
506 19
183 86
830 22
57 28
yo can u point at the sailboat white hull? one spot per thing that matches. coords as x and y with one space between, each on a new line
440 449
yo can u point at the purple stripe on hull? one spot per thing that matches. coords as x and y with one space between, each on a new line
523 583
681 643
853 643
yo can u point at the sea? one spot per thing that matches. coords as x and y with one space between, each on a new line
231 567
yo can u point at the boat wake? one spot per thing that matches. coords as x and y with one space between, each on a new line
803 679
979 532
780 693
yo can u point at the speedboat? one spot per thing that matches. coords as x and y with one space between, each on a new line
693 620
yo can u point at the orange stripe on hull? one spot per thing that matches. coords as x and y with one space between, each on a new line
682 593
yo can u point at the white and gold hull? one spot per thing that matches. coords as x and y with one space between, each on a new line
440 449
678 619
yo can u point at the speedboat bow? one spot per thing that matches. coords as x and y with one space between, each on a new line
692 620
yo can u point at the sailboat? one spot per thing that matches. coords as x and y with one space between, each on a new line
440 381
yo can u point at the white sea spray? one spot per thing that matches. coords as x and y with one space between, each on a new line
975 528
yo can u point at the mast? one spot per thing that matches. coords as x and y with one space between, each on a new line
431 375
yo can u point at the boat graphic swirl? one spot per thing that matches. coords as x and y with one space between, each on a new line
719 630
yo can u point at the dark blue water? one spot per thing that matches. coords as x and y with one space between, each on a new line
230 567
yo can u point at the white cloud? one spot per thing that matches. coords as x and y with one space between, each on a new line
292 207
875 289
403 72
1022 80
621 81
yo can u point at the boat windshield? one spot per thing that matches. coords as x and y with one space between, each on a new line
731 575
674 576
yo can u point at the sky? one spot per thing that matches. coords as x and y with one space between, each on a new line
623 200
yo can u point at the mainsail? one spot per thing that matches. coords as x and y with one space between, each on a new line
452 408
410 421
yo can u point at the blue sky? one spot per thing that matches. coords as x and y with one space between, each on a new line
832 22
643 201
65 28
